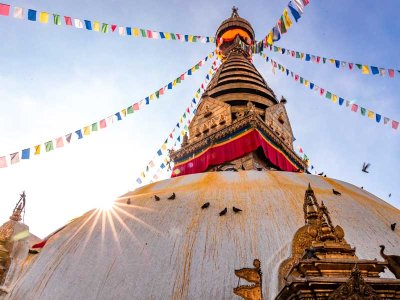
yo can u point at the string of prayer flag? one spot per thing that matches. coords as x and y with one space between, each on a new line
81 133
175 136
56 19
332 96
339 64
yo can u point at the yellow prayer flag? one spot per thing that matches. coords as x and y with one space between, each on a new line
196 95
334 98
301 55
264 55
123 112
174 82
331 60
190 38
371 114
306 82
86 130
136 32
269 38
182 133
96 26
288 22
43 17
365 69
37 150
193 69
167 35
164 147
152 97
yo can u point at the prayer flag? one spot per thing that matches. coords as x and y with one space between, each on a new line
59 142
128 31
130 110
3 162
121 30
49 146
43 17
86 130
365 69
395 124
164 146
159 152
363 111
14 158
374 70
94 127
104 28
371 114
281 25
78 23
123 112
136 32
170 85
37 149
103 124
334 98
288 22
385 120
56 19
143 32
391 73
79 134
306 2
381 71
294 10
31 15
18 13
68 21
276 34
96 26
354 107
26 153
162 166
88 25
110 119
351 66
136 106
138 180
113 27
311 86
68 137
337 63
4 9
118 115
378 118
328 95
341 100
299 5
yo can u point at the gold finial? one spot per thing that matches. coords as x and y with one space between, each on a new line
19 208
235 12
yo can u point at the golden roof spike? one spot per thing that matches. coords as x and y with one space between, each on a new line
235 12
19 208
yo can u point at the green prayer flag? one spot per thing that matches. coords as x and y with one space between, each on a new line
324 59
173 36
178 80
194 39
94 126
186 128
104 28
184 115
283 27
301 79
197 67
49 146
328 95
359 66
130 110
363 111
198 91
143 32
57 19
157 94
297 54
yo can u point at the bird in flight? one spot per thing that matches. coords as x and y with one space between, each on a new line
205 205
365 167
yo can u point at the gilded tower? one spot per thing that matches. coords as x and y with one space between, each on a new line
239 115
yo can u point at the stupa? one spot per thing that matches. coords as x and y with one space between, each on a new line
239 219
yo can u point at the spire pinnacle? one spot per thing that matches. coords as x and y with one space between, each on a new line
235 12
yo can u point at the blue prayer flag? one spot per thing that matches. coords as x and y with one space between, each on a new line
337 63
179 138
308 57
147 100
138 180
186 38
162 166
267 59
26 153
162 35
170 86
374 70
206 58
118 114
159 152
341 100
194 101
79 133
207 77
177 125
287 72
276 35
283 50
189 72
294 11
88 25
378 117
194 111
311 86
31 15
128 31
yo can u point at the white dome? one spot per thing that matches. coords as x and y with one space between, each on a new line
172 249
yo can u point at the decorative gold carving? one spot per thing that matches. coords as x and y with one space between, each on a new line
253 275
355 288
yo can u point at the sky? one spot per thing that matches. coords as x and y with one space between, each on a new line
55 80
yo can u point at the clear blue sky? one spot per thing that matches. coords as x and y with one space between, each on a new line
57 79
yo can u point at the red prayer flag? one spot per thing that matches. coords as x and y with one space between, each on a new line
306 2
68 21
182 77
149 34
4 9
136 106
187 109
354 107
351 66
318 59
170 135
321 91
395 124
103 123
161 91
113 27
296 77
391 73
